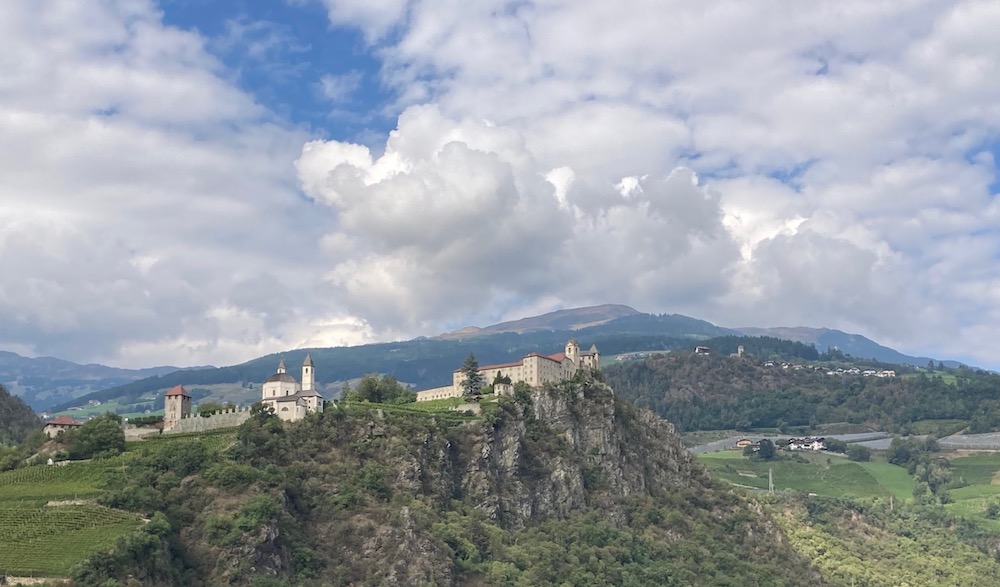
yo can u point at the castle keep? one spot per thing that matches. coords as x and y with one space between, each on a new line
534 369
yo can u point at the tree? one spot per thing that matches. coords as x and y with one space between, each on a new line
766 452
102 436
859 452
835 445
379 389
206 409
474 379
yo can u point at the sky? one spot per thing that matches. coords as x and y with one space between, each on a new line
195 182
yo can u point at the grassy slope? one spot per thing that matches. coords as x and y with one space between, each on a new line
979 471
836 478
47 541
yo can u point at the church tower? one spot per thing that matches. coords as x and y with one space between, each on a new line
308 374
573 352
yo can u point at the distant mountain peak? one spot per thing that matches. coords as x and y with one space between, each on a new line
568 319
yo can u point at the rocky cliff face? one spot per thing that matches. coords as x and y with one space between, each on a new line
565 483
559 450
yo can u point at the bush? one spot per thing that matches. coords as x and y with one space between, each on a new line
836 445
231 475
858 452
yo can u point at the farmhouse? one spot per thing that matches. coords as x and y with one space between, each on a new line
60 424
807 443
534 369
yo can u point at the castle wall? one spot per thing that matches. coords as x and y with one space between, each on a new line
439 393
224 419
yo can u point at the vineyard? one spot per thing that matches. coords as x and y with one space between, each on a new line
47 541
215 441
44 483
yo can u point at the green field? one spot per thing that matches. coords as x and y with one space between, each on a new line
831 476
44 483
215 440
47 540
845 479
978 471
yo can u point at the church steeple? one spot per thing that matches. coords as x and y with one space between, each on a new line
281 366
308 374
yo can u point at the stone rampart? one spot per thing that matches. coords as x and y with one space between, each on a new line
445 392
225 419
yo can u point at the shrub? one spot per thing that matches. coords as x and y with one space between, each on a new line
858 452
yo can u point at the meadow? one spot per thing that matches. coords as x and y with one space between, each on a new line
975 479
822 474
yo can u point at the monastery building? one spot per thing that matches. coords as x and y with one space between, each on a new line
534 369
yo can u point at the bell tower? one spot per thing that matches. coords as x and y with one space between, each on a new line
573 352
308 374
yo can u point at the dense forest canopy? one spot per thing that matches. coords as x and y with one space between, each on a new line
17 420
721 392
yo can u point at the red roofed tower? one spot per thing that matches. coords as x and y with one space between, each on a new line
176 405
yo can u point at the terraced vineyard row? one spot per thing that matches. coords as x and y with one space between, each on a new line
36 540
44 482
49 541
215 440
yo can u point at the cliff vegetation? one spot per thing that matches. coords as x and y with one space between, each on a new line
564 485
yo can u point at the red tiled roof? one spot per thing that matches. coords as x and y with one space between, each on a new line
558 357
64 421
500 366
178 390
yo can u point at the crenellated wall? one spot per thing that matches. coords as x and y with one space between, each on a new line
224 419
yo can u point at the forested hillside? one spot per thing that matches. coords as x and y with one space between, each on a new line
558 486
720 392
17 420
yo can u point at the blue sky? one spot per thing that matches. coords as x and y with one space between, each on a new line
281 53
219 180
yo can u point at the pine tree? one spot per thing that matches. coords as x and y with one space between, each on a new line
474 380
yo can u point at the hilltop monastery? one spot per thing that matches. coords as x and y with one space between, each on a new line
534 369
289 398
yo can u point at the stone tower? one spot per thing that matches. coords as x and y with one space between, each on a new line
573 351
308 374
176 405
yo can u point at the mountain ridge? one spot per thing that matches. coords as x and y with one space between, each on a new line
566 319
428 362
855 345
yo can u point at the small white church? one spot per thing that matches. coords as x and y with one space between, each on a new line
287 397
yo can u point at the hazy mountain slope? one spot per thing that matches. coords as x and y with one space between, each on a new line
45 381
851 344
570 319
